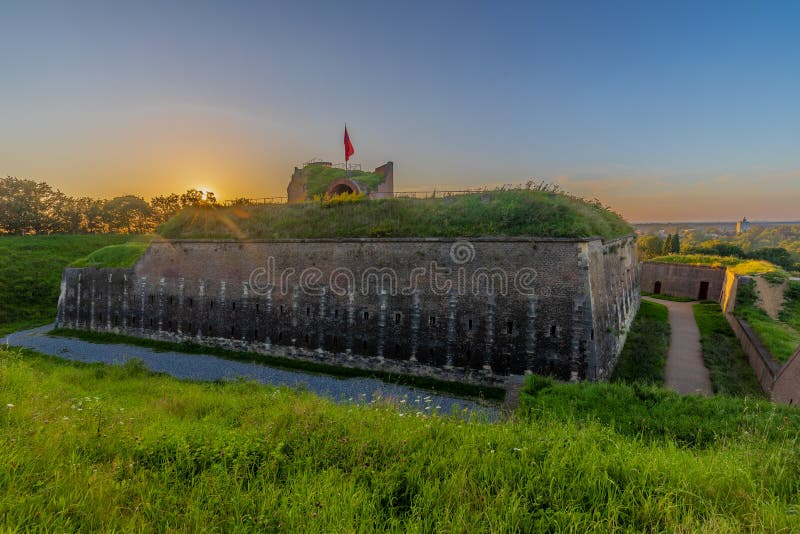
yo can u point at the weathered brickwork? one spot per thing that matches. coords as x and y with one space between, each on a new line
477 310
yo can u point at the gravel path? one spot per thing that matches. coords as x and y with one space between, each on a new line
685 371
205 367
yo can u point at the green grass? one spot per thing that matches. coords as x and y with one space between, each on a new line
96 448
780 338
124 255
30 274
455 388
736 265
657 414
319 177
667 297
506 213
644 355
731 373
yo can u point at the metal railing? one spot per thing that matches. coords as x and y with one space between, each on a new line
255 201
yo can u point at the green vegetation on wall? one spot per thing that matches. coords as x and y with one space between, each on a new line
737 265
731 373
781 337
644 355
30 274
319 177
124 255
503 213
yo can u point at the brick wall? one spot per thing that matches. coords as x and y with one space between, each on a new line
423 306
680 280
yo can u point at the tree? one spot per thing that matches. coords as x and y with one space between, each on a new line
649 246
777 255
128 214
164 207
668 245
676 244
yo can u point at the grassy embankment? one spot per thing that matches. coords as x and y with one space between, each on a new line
645 352
502 213
731 373
736 265
30 274
782 336
90 447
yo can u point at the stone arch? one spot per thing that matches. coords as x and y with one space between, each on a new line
341 186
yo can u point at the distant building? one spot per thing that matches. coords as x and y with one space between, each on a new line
322 178
742 226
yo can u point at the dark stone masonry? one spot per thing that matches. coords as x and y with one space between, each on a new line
475 310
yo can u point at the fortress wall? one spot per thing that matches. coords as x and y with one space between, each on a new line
682 280
417 306
614 289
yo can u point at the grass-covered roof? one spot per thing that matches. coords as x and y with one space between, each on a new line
521 212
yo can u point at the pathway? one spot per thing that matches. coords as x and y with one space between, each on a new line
685 371
208 367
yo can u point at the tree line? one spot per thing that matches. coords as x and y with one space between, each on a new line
30 207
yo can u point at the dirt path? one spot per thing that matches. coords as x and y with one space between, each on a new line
685 371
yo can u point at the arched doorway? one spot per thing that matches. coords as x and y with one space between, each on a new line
657 288
342 186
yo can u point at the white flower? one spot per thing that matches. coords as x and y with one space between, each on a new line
9 405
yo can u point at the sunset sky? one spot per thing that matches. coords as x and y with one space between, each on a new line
663 110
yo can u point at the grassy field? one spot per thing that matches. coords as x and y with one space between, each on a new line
731 373
645 352
88 448
782 336
30 274
503 213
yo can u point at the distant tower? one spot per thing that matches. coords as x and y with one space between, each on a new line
742 226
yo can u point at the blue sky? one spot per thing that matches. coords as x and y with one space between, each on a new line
664 110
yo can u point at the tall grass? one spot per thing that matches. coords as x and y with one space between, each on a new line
89 448
509 213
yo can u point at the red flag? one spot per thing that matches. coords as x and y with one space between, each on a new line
348 146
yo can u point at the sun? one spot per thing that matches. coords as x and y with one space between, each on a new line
205 190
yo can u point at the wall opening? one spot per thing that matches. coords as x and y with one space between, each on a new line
703 293
657 288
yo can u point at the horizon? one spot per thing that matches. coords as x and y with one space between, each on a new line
682 113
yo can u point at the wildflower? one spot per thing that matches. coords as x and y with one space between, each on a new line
9 405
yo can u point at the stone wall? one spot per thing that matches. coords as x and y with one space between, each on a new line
682 280
476 310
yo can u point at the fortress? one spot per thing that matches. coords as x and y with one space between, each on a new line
475 311
480 309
